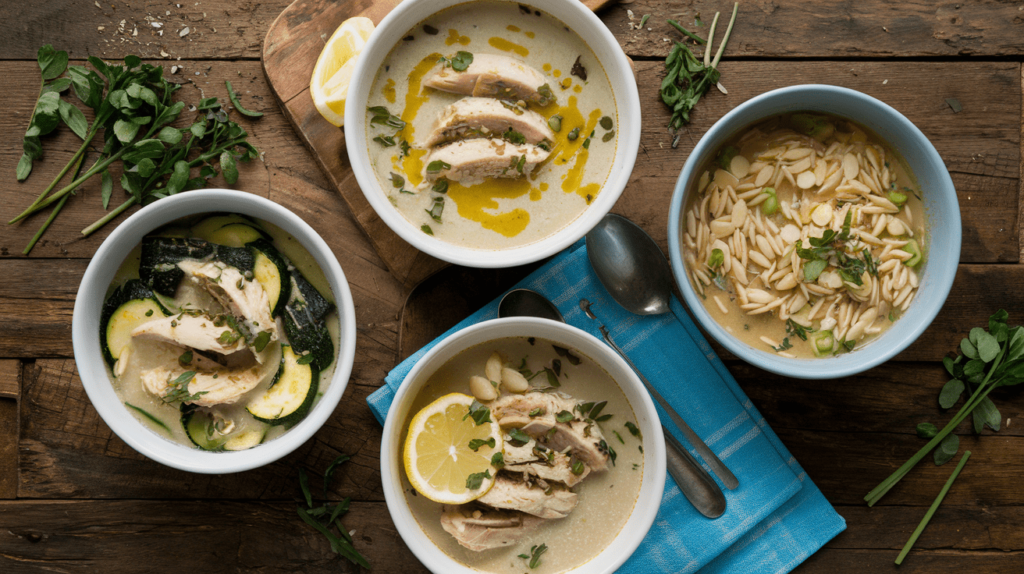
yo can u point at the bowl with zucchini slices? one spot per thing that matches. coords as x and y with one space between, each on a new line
214 331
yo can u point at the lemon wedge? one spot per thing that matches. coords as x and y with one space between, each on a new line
333 71
438 459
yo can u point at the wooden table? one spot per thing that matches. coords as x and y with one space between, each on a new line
74 497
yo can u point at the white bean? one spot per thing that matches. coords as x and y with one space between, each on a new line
513 380
482 389
493 367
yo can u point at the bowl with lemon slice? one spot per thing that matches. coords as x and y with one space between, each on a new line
503 444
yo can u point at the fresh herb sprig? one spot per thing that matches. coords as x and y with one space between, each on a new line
989 360
533 557
133 109
325 517
688 79
46 114
931 510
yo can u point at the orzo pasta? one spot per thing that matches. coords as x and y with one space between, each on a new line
805 236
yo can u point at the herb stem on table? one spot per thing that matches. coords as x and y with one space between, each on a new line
990 360
56 210
931 511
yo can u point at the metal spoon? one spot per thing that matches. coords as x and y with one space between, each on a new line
695 483
631 266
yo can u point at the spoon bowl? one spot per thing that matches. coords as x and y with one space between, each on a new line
528 303
630 265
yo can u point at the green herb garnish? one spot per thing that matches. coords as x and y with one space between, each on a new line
989 360
634 430
518 437
479 413
238 107
513 136
397 181
687 78
440 186
261 341
426 229
437 166
132 107
326 517
476 480
476 443
534 556
498 461
564 417
381 116
386 141
436 209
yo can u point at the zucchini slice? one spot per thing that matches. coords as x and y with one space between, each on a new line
198 425
129 306
271 271
236 235
914 250
207 226
291 395
305 322
158 266
245 440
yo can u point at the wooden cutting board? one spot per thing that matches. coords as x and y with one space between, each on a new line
290 50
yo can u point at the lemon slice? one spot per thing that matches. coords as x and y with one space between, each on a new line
438 459
333 71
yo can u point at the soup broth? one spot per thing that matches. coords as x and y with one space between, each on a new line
525 201
805 236
605 498
187 357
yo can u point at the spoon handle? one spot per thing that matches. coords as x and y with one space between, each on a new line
719 468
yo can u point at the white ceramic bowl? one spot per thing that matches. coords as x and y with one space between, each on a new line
651 487
627 101
93 369
942 229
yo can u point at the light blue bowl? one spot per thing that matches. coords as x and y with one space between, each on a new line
942 228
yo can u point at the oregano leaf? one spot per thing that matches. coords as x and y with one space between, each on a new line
950 393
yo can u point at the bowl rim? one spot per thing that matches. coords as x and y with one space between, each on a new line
941 275
624 89
92 368
652 486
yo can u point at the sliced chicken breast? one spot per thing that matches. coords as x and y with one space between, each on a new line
472 161
480 529
494 76
221 386
486 117
244 298
195 332
576 437
511 494
535 460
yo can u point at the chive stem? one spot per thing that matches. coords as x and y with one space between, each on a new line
931 511
56 210
725 39
686 32
711 37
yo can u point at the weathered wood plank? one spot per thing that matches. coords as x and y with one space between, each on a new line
823 29
8 448
10 379
866 29
829 561
846 465
189 537
892 398
972 527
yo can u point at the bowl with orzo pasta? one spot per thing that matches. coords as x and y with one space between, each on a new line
814 231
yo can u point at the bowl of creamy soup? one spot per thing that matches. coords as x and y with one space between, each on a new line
556 461
214 331
814 232
492 133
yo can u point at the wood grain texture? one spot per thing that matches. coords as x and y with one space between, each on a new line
8 449
828 29
187 536
226 29
10 379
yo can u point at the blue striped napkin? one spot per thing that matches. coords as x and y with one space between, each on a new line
774 520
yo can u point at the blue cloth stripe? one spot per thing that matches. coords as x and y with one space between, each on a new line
775 519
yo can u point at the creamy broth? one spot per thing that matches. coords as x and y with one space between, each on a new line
164 417
495 213
833 168
605 499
